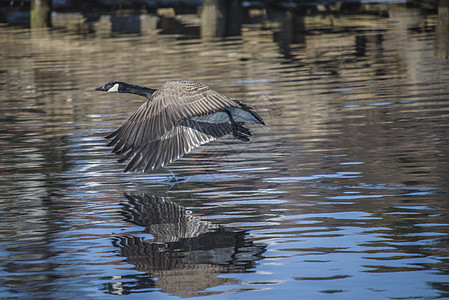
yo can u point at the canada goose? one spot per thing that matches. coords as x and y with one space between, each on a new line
177 118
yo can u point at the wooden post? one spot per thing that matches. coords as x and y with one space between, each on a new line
220 18
213 18
442 31
233 17
40 13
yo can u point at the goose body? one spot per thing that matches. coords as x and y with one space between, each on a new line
175 119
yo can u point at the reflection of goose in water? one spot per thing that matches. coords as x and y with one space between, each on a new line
177 118
187 253
165 220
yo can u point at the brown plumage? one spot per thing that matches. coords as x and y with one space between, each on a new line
177 118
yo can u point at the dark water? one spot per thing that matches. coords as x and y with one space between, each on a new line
344 195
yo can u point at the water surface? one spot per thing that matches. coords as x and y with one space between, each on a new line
343 195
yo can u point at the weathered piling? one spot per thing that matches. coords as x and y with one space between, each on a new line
40 15
442 30
220 18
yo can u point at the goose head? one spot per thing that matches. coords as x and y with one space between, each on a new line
113 87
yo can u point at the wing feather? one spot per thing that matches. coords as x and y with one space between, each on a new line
179 141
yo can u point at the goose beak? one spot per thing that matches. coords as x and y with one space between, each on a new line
101 88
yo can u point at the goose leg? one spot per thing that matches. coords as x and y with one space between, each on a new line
238 130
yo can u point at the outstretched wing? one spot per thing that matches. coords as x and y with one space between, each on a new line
175 102
174 144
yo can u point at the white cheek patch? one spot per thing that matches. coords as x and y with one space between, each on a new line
114 88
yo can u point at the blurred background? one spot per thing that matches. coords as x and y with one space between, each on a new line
343 195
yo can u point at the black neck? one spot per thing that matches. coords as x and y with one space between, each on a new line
138 90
